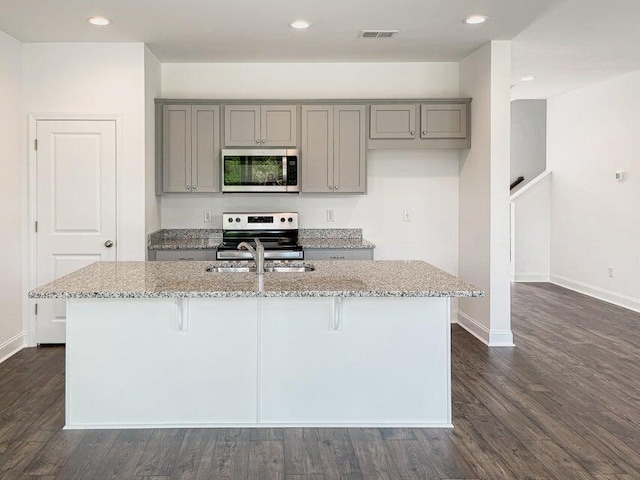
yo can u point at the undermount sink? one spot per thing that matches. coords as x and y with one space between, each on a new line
268 268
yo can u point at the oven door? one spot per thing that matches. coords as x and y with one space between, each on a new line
256 170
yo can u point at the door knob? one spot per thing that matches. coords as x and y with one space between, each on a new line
108 244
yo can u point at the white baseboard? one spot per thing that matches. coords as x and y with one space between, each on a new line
531 277
492 338
11 346
603 294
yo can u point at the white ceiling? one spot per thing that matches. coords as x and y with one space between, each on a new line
574 44
566 44
258 31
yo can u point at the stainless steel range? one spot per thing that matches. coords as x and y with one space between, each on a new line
278 232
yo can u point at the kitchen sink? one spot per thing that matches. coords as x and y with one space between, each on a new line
279 268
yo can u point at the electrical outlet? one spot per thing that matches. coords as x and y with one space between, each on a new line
207 215
610 272
331 216
406 215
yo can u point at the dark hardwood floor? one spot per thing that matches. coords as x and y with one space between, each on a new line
564 404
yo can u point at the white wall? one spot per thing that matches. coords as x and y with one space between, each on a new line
531 231
151 91
426 182
484 193
98 78
11 193
595 221
309 80
528 140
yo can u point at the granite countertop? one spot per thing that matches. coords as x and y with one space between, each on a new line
202 239
191 280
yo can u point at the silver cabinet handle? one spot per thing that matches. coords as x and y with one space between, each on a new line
195 186
412 132
186 258
263 140
336 187
337 257
108 243
257 140
188 187
424 132
330 187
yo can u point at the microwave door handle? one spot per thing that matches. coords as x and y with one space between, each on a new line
285 166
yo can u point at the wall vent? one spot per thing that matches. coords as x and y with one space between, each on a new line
378 33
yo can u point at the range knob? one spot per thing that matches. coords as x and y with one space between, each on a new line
290 219
282 219
230 220
238 219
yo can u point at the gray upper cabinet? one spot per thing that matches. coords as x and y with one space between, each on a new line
260 125
393 121
190 148
443 121
333 148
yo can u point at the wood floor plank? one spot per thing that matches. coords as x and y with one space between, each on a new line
87 459
266 460
444 454
17 458
124 455
411 460
337 454
231 455
58 450
302 451
373 456
194 459
267 434
160 455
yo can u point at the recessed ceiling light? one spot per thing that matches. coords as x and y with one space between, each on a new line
527 78
300 24
475 19
99 21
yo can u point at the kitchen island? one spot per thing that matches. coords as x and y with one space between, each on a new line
170 344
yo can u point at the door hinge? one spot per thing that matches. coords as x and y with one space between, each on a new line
36 226
35 144
36 308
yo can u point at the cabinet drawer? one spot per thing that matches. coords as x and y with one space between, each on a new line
170 255
338 254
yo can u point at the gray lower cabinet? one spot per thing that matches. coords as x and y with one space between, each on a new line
338 254
260 125
333 148
442 124
190 148
173 255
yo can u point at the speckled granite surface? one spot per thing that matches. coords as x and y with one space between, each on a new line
201 238
190 279
185 239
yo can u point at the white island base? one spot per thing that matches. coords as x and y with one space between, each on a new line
258 362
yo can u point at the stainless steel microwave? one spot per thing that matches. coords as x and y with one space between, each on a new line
260 170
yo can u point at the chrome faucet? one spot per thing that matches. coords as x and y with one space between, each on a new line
257 253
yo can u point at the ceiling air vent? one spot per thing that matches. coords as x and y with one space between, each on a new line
378 33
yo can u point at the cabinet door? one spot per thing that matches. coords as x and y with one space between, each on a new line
443 121
393 121
349 161
317 148
176 148
241 125
278 126
205 148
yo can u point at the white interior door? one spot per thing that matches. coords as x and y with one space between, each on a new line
76 207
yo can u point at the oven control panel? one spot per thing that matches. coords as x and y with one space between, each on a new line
260 221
